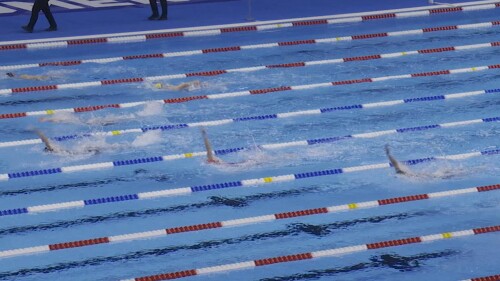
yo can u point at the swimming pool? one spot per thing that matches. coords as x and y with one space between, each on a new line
148 203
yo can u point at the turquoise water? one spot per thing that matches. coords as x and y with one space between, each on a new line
453 259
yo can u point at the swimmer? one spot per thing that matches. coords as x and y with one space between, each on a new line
28 77
186 86
208 146
50 147
395 163
212 159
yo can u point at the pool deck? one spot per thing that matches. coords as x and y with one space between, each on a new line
188 14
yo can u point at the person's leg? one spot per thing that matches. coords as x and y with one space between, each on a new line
34 16
154 10
49 16
164 10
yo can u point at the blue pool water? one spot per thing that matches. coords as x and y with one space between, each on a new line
453 259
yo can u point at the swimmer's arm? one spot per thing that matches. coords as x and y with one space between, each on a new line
210 154
395 163
45 140
34 77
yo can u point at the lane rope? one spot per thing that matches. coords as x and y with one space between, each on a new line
242 221
271 146
293 43
485 278
217 186
335 252
226 121
241 28
199 52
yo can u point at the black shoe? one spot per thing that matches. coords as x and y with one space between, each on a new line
153 17
27 28
52 28
163 18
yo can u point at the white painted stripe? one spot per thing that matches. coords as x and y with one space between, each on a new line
339 251
123 39
184 53
247 69
374 134
79 85
333 40
412 14
345 20
250 220
165 77
46 45
211 123
311 86
79 168
226 95
258 46
283 145
478 7
319 62
251 182
56 206
461 233
365 167
383 78
202 33
367 204
19 66
298 113
475 25
432 237
164 193
452 192
22 142
473 46
339 208
467 94
105 60
405 32
24 251
461 123
459 156
283 178
226 267
384 103
135 236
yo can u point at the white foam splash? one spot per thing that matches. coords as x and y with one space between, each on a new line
61 117
151 108
148 138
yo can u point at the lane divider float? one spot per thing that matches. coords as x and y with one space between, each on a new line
257 91
243 221
317 254
217 186
119 163
296 64
142 103
485 278
226 121
218 72
242 28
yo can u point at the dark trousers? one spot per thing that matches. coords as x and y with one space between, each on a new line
154 7
41 5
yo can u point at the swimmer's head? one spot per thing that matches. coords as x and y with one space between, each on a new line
196 83
158 85
10 74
